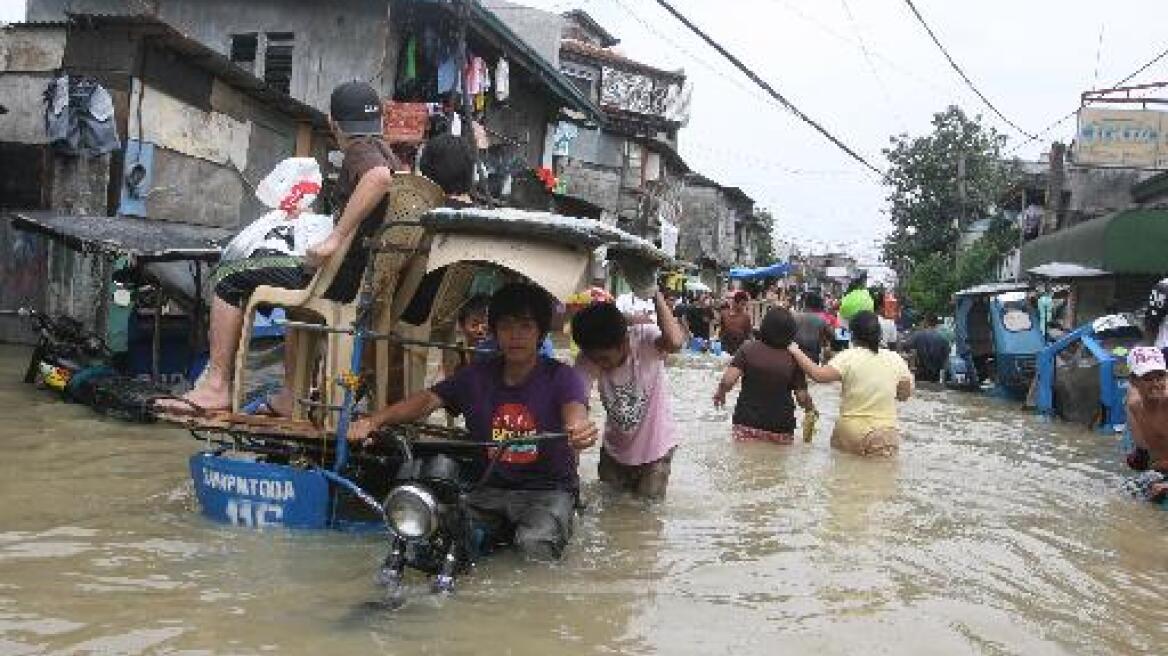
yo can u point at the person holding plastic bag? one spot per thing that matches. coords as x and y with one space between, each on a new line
283 248
269 251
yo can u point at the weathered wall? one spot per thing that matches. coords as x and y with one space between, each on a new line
598 185
698 238
55 10
335 41
1096 192
27 59
539 29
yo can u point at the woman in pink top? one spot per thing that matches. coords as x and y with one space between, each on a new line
628 363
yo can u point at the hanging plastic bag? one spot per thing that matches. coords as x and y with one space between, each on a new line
288 190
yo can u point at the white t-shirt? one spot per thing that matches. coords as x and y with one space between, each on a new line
888 334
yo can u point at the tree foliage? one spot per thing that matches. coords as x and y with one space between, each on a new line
765 237
926 196
934 279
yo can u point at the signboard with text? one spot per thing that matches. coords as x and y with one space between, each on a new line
1122 138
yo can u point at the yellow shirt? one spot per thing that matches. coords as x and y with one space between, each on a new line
868 397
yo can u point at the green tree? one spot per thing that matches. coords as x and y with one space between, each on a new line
955 174
931 284
934 279
765 237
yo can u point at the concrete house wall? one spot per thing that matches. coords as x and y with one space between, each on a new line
211 143
349 39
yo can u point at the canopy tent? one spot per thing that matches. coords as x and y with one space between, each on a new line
776 270
1128 242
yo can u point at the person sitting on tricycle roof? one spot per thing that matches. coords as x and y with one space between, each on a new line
530 497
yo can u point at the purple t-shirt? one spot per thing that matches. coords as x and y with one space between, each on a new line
495 412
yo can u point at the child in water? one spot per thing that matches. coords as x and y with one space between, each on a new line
628 363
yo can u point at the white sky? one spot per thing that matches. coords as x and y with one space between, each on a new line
1032 58
11 11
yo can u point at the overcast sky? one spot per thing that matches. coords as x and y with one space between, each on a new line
1032 58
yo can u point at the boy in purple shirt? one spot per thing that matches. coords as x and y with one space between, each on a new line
531 494
628 363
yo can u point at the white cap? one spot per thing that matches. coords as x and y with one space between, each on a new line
1143 360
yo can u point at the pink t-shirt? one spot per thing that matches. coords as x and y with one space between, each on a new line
640 427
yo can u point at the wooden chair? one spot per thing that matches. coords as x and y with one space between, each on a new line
391 250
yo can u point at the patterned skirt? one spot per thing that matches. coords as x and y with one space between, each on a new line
750 434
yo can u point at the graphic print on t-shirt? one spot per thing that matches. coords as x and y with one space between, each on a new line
512 420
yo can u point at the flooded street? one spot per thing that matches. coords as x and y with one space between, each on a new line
993 533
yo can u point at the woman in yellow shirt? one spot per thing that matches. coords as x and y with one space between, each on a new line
873 379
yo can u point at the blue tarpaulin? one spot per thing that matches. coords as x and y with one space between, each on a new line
776 270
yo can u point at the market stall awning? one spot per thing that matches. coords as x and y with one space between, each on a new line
1128 242
776 270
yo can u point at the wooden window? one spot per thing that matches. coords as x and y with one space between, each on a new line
278 60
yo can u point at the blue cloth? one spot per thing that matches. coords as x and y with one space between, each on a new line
495 411
447 74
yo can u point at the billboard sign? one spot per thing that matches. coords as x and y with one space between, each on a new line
1122 138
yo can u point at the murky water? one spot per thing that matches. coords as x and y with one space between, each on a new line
992 533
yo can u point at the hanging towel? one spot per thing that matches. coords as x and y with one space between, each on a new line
502 80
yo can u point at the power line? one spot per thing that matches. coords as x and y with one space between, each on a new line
891 63
960 72
871 64
1152 62
766 87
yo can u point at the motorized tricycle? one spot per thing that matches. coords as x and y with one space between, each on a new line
300 471
997 338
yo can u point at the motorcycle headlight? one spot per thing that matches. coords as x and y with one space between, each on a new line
411 512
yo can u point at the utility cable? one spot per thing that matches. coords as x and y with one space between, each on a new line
871 65
961 73
768 88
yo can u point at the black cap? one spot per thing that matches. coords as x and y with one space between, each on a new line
356 108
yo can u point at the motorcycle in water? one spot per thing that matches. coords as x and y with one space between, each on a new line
427 515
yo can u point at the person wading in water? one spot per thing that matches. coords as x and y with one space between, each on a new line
769 376
874 379
736 323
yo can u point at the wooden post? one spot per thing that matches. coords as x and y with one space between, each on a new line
304 139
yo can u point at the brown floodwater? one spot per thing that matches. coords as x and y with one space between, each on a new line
992 533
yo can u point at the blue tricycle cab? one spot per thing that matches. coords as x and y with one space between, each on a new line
260 494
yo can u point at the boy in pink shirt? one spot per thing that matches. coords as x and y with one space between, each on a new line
628 363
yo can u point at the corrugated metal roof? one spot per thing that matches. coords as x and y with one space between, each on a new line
610 56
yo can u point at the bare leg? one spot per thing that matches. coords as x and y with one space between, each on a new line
214 389
282 402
